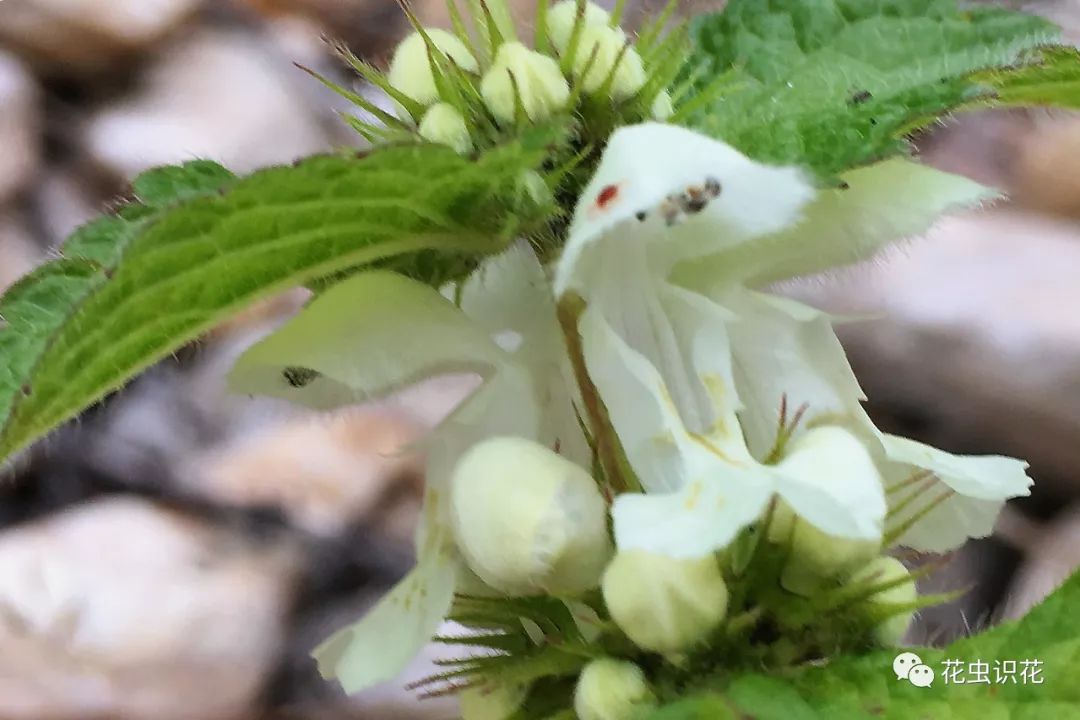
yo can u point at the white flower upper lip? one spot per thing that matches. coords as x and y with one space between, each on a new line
661 175
693 365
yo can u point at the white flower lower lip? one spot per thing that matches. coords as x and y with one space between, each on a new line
329 356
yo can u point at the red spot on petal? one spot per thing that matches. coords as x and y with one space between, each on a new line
607 196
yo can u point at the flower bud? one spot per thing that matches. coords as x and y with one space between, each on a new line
599 48
562 17
664 604
443 124
492 701
662 107
527 520
613 690
832 459
536 78
816 557
885 571
410 70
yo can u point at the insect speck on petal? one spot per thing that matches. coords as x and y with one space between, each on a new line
299 377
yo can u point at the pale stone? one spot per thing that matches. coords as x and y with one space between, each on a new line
120 609
1052 555
18 253
88 35
218 96
323 473
20 126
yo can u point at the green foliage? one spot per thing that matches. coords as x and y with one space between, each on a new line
1052 79
836 84
864 687
199 245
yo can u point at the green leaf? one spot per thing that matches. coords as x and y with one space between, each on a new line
1052 79
132 288
865 687
836 84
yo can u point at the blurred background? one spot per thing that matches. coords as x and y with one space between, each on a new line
177 552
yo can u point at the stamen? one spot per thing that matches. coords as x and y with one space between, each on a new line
898 532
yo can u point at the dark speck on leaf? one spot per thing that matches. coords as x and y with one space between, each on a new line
26 390
873 121
860 97
299 377
844 185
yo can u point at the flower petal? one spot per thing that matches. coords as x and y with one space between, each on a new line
947 498
830 480
883 203
640 408
703 488
366 336
703 517
510 292
383 643
682 193
783 350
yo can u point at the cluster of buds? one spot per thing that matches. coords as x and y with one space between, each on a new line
530 523
466 90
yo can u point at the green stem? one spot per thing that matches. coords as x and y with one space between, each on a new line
619 478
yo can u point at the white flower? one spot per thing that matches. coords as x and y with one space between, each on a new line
378 332
525 78
444 124
610 689
562 18
693 365
603 53
664 604
527 520
411 72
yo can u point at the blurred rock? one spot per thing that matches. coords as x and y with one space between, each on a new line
18 253
323 473
317 698
64 200
221 96
974 338
120 609
20 126
1046 172
1053 554
83 36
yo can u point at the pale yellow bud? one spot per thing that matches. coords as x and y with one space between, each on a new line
882 571
443 124
816 557
492 701
527 520
410 70
535 77
599 48
833 458
563 16
662 107
665 604
613 690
